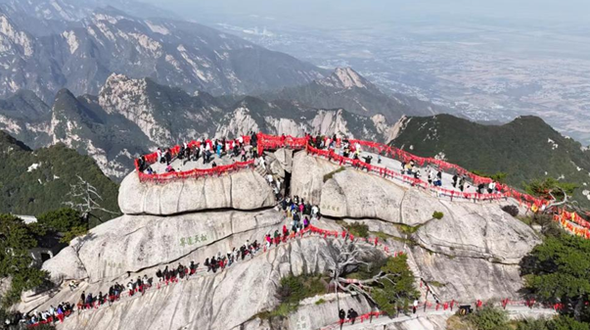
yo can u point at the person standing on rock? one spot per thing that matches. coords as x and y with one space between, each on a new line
415 307
352 315
491 187
130 288
341 316
83 298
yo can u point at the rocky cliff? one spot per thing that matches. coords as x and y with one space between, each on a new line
471 253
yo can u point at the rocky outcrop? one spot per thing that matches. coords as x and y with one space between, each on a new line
424 322
472 252
471 263
242 190
66 265
212 301
308 176
133 243
314 313
478 231
352 194
465 278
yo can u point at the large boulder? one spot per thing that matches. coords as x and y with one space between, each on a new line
464 261
284 158
225 300
350 193
131 243
242 190
308 176
466 279
65 266
477 230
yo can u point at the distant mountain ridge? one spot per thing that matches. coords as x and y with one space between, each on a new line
347 89
129 117
526 148
80 45
113 86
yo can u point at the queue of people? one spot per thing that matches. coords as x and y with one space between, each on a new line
409 168
49 316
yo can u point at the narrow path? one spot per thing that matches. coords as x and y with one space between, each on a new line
384 321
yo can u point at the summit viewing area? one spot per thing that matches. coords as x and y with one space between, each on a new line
216 225
200 158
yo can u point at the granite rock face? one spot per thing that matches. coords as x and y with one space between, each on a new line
211 301
132 243
242 190
472 252
308 176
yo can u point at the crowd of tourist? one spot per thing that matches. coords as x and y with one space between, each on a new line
434 176
206 149
51 315
299 213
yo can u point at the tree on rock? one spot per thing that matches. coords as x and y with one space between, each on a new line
550 189
85 198
396 288
16 239
558 271
388 283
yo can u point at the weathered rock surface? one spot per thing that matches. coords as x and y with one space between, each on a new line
242 190
479 231
354 194
308 176
314 313
222 301
285 159
132 243
357 195
423 322
471 253
465 279
65 265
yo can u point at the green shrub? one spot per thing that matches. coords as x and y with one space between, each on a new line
489 318
356 228
532 324
73 233
558 269
568 323
292 290
61 220
320 301
437 215
400 291
406 229
16 239
559 323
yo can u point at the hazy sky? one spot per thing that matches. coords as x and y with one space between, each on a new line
326 12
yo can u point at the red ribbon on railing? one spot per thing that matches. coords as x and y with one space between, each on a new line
266 141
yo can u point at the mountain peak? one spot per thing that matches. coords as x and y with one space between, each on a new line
108 14
345 78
